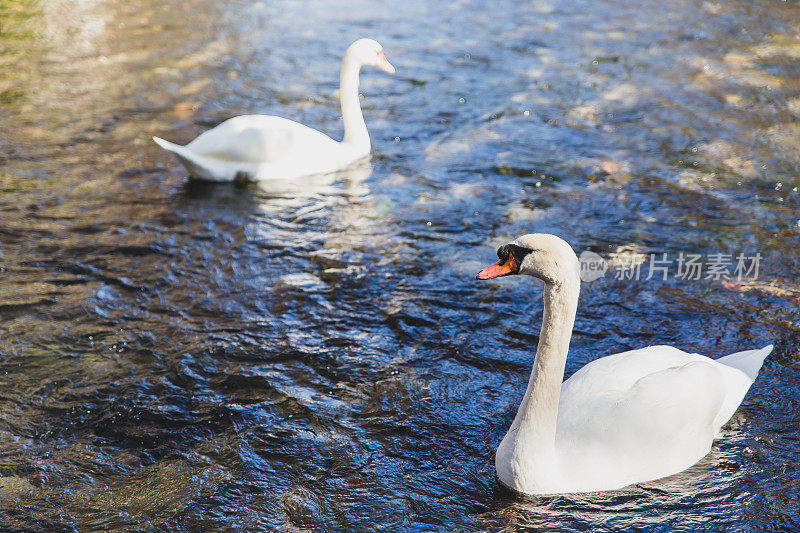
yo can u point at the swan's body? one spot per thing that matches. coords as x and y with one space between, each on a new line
262 147
625 418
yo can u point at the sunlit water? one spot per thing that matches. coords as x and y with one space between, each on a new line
320 358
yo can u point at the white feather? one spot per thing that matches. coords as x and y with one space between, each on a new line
262 147
625 418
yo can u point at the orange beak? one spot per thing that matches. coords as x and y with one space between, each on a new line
499 269
384 64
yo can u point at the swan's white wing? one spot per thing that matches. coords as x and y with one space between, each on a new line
644 414
261 147
256 139
642 385
618 372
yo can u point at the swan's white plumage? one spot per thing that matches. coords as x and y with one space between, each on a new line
642 415
263 147
629 417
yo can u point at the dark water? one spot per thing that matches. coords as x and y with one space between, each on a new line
186 357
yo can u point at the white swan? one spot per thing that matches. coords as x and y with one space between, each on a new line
629 417
262 147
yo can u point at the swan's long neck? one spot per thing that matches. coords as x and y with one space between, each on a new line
539 410
355 130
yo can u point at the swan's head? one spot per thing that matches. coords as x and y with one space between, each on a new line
369 52
542 255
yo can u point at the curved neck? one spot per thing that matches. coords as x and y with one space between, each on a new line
355 131
538 412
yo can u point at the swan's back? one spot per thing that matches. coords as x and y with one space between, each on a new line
648 413
258 139
261 147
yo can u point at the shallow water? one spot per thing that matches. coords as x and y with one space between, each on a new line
178 356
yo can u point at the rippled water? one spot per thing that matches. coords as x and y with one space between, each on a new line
177 356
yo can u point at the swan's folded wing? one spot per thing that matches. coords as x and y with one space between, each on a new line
249 140
656 392
677 404
666 418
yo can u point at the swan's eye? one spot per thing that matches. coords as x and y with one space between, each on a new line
519 252
502 254
514 251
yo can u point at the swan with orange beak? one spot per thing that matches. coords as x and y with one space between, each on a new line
511 256
625 418
264 147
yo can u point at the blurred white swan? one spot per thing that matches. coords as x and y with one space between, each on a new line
629 417
262 147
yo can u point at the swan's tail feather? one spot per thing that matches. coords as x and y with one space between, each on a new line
166 145
182 152
749 361
197 165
